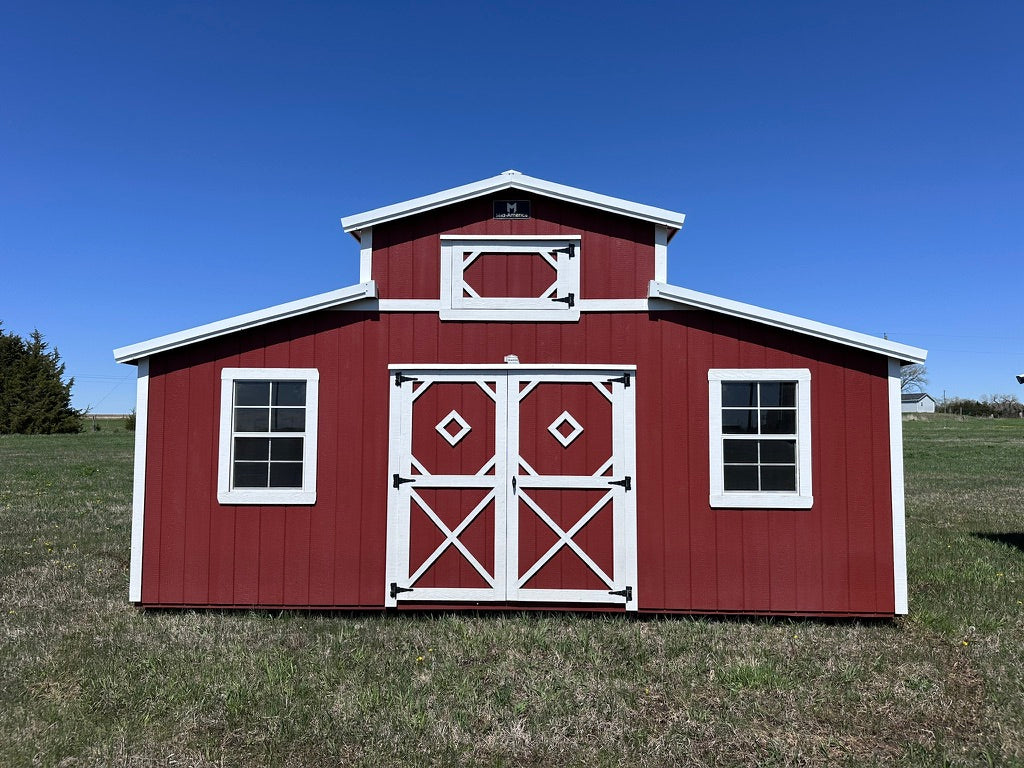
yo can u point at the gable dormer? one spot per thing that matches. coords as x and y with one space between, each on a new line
514 248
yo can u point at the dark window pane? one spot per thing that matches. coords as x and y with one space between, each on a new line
252 419
778 478
740 451
286 448
289 393
776 393
778 422
738 394
252 393
288 420
739 422
252 449
740 478
285 475
778 451
250 474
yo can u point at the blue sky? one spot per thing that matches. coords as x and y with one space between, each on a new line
862 164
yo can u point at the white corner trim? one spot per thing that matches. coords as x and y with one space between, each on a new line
899 524
307 493
670 219
329 300
718 496
139 480
365 254
711 303
661 254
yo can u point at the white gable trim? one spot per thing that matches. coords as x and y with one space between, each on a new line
516 180
697 300
329 300
899 524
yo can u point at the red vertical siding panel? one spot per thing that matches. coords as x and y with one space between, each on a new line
677 449
175 491
656 459
204 388
324 515
703 521
397 346
860 518
155 451
830 434
882 485
222 517
346 467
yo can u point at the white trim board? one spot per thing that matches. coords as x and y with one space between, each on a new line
329 300
139 480
306 494
899 524
684 296
802 497
514 180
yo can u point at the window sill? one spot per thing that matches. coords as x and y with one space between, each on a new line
761 501
266 497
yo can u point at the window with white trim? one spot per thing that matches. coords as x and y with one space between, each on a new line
760 432
268 431
510 277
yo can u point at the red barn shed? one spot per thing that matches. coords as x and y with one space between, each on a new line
513 408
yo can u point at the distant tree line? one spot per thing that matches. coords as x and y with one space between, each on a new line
996 406
34 398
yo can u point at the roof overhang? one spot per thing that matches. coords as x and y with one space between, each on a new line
134 352
679 296
513 180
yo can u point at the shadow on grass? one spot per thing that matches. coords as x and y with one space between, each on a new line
1014 539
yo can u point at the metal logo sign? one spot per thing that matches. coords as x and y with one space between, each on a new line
511 209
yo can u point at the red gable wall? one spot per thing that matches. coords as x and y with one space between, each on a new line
617 261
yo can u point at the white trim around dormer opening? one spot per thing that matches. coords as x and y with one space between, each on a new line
365 254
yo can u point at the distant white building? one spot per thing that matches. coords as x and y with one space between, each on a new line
918 402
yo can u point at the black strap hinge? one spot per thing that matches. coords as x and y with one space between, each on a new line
623 380
626 593
400 379
570 299
626 482
397 481
570 250
396 590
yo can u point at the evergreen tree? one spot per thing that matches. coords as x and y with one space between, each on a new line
34 399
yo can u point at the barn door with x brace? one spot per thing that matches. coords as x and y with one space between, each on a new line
512 484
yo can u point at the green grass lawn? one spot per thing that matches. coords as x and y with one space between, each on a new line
86 679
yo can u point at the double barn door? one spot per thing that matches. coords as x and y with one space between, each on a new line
512 484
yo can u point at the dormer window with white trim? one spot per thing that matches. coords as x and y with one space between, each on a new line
511 277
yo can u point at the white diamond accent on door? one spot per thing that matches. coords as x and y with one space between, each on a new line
555 428
443 424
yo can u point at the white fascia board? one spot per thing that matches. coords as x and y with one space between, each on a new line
676 294
329 300
513 180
